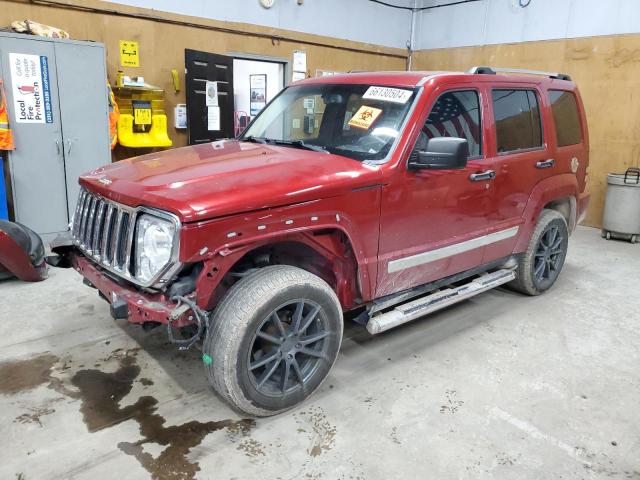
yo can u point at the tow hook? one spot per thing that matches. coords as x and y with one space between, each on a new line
184 305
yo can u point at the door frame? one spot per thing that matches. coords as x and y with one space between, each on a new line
266 58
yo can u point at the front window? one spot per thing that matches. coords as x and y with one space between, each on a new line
357 121
455 114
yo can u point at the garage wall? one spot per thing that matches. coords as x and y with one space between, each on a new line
358 20
487 22
606 70
604 61
163 38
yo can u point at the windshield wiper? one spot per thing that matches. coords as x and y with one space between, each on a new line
299 144
254 139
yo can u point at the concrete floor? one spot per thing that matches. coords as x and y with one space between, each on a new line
502 386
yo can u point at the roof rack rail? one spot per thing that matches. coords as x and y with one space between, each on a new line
494 70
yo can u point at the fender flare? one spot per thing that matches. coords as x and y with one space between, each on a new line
546 191
16 260
220 261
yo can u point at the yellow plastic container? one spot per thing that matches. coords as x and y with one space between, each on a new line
143 121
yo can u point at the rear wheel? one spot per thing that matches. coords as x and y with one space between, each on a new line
540 265
273 339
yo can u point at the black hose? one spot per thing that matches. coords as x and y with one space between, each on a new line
202 320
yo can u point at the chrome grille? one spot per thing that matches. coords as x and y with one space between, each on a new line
103 230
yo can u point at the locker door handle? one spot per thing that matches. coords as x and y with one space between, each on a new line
68 147
58 146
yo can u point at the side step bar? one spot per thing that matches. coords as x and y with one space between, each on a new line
435 301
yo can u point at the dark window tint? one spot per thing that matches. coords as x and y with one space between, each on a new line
566 117
455 114
517 118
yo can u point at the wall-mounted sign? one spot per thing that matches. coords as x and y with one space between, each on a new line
211 94
299 61
257 93
326 73
180 115
310 104
213 118
129 53
31 90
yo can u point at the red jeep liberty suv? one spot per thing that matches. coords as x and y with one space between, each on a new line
392 194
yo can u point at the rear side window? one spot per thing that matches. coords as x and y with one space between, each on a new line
456 114
566 117
517 117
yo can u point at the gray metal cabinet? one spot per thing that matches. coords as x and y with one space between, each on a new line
73 136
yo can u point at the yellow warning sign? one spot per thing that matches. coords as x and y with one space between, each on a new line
129 53
364 117
142 116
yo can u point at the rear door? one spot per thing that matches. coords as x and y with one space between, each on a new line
521 157
206 123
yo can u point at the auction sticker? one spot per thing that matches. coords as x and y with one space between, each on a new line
387 94
31 90
364 117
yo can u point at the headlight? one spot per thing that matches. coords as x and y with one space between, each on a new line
154 244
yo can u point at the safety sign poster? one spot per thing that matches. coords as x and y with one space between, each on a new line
31 89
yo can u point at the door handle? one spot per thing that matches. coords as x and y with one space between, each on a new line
58 146
69 147
545 163
479 177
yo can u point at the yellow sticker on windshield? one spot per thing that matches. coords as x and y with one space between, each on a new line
364 117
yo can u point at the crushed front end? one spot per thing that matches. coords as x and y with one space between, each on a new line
130 255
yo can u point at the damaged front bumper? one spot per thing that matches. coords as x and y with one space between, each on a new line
126 301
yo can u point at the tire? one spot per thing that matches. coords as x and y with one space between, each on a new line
258 363
540 265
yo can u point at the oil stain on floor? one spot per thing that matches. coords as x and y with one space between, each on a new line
101 393
21 375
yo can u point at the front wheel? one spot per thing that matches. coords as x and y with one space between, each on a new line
273 339
540 265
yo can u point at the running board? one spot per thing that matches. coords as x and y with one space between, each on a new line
435 301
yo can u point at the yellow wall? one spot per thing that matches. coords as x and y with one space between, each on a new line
162 43
607 71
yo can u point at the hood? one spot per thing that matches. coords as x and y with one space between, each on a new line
226 177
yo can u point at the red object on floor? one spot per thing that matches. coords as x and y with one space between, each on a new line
14 259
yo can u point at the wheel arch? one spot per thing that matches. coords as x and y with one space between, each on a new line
326 252
567 207
559 193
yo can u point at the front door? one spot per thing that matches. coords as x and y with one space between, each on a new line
207 122
433 222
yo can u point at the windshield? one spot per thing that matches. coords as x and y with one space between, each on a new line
357 121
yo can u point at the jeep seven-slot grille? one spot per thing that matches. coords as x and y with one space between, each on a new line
103 230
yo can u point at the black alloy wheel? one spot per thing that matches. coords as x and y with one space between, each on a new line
287 348
549 255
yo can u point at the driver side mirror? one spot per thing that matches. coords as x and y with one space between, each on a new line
441 153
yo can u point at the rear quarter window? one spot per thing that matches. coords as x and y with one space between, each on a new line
566 117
